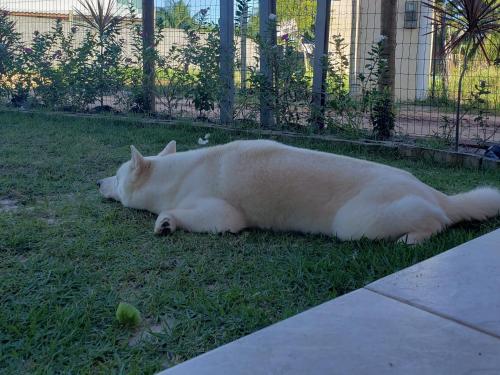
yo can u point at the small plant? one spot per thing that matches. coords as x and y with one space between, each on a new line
347 114
481 120
376 99
289 94
382 115
206 90
201 57
338 69
133 96
103 21
174 80
291 83
446 129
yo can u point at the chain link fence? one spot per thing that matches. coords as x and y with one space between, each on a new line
89 55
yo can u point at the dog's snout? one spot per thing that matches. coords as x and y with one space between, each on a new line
99 182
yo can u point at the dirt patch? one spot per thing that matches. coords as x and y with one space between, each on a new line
51 221
145 334
8 204
428 121
147 331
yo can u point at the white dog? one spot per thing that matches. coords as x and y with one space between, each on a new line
268 185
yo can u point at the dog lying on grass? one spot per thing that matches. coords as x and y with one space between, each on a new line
268 185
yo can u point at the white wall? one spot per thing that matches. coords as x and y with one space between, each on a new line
61 7
413 49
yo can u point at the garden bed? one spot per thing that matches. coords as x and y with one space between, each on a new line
430 149
68 257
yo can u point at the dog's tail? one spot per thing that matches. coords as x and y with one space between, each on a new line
478 204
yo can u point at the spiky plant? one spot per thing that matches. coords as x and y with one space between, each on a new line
102 18
472 24
99 17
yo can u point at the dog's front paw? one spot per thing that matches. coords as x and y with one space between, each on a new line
165 224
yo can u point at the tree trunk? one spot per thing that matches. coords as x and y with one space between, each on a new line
443 57
435 58
439 56
388 22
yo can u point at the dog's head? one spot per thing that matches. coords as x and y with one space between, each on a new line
131 175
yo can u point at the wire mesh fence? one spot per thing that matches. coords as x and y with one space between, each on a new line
89 55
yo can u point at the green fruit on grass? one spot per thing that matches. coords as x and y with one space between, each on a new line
128 314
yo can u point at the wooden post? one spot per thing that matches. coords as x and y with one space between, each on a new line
320 67
148 61
388 22
354 86
226 70
267 41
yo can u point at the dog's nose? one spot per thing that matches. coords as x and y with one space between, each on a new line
99 183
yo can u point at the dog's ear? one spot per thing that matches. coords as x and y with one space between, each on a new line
171 148
138 161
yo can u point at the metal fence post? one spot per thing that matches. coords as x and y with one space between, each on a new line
266 8
148 61
321 41
226 71
243 45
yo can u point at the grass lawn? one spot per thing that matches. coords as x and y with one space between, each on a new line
68 257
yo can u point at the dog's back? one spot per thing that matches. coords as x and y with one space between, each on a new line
288 188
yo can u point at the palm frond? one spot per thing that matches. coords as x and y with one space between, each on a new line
98 16
470 21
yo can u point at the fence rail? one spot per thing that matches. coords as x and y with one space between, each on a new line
302 64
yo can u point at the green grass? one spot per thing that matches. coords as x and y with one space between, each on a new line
476 73
68 257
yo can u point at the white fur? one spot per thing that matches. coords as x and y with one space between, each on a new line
269 185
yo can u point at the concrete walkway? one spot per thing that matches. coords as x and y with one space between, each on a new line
440 316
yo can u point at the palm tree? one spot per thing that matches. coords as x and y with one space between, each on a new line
176 14
472 24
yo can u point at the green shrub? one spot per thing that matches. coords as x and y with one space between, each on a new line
11 52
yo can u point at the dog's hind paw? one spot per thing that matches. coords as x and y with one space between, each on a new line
165 224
